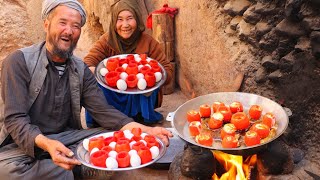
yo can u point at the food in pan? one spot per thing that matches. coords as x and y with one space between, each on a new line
231 125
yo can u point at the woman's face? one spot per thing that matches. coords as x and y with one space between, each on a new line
126 24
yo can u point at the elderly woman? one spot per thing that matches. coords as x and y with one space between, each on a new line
126 36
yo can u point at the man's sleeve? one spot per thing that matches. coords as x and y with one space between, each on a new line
15 81
96 104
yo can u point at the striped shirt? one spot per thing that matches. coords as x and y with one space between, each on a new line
60 67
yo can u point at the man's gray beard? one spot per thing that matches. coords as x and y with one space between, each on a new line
61 53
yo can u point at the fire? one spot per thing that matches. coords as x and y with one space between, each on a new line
234 166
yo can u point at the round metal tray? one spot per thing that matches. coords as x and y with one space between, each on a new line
84 156
101 80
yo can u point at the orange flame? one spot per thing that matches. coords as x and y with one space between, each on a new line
235 168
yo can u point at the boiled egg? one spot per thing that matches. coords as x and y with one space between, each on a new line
143 135
124 66
113 154
105 62
148 65
140 66
144 142
123 75
154 151
112 144
111 163
132 152
140 76
142 84
103 71
132 143
135 160
85 144
94 150
158 76
122 85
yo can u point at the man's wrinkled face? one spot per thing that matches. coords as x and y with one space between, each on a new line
126 24
63 28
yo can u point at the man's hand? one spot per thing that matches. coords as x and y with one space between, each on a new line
160 132
60 154
92 68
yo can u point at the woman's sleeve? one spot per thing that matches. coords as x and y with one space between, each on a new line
98 52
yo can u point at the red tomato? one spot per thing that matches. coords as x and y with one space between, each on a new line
122 145
236 107
136 131
216 105
107 149
255 112
119 69
145 69
132 68
123 159
112 78
99 158
262 130
145 154
156 68
205 110
153 62
130 57
251 138
204 139
132 81
118 134
112 64
143 62
123 61
148 137
136 146
143 56
225 111
228 129
96 142
193 115
269 119
230 142
194 128
108 140
152 142
240 120
136 138
150 78
215 121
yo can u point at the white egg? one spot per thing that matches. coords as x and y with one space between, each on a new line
154 151
127 131
140 76
94 150
132 143
124 66
158 76
111 163
122 85
123 75
103 71
135 160
142 84
143 135
113 154
144 142
148 65
128 136
140 66
85 144
132 152
107 135
112 144
138 59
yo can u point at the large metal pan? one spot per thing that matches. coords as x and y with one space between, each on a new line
180 124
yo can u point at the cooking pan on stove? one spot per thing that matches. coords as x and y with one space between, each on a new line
180 124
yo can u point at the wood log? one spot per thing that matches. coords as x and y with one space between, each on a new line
162 28
169 88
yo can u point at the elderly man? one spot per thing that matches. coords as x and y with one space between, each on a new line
44 87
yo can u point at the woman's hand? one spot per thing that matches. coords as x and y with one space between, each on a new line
60 155
160 132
